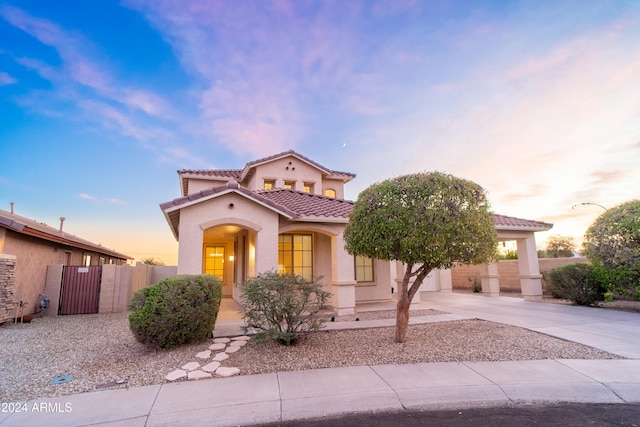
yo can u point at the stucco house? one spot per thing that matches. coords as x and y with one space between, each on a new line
27 247
287 213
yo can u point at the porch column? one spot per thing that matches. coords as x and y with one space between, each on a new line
343 283
490 280
266 249
530 277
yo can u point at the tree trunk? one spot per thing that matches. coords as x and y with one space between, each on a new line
402 310
405 295
402 317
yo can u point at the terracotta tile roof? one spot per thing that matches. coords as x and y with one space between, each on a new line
43 231
504 222
222 173
298 205
230 186
240 174
305 204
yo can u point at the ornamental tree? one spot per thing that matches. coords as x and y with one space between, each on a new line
612 244
560 246
426 221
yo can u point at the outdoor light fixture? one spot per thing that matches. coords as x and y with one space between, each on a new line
588 203
231 258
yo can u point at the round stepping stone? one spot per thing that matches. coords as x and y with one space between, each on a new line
220 357
232 349
191 366
198 375
241 338
217 346
175 375
221 340
211 367
204 354
238 343
227 372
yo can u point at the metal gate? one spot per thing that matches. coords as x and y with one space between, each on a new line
80 290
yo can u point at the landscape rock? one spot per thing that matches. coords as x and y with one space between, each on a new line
220 357
221 340
204 354
227 371
232 349
191 366
175 375
211 367
217 346
198 375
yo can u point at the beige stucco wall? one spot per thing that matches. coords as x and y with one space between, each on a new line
380 288
286 169
32 257
195 185
196 218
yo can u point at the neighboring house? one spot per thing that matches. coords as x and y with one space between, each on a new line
286 213
34 246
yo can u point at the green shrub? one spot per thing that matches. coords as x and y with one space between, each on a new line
612 244
176 310
283 307
576 282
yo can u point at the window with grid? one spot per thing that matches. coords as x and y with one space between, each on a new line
269 184
364 268
214 261
308 187
295 255
330 193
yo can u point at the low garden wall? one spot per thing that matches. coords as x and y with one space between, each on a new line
508 271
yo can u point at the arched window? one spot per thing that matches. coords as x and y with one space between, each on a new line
329 192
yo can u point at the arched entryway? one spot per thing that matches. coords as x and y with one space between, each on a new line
228 252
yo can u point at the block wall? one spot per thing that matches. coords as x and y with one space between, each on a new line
7 287
508 271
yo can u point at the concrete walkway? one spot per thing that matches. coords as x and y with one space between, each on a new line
315 393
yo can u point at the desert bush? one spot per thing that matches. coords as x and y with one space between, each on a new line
176 310
576 282
283 307
612 244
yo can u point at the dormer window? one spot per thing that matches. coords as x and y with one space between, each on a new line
329 192
308 187
269 184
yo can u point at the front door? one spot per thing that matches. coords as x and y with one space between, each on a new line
214 261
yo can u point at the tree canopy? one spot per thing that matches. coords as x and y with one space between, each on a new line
560 246
427 221
612 243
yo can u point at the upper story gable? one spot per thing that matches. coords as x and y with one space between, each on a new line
288 170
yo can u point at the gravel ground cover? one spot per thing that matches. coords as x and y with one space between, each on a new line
100 349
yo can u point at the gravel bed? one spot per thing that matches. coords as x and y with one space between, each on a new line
100 349
455 341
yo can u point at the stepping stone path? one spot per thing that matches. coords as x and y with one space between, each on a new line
194 371
204 354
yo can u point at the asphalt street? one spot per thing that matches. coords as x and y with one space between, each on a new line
566 415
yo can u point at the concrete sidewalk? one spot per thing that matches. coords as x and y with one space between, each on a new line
315 393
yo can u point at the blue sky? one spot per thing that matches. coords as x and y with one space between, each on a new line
101 102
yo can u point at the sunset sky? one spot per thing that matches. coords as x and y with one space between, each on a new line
101 102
